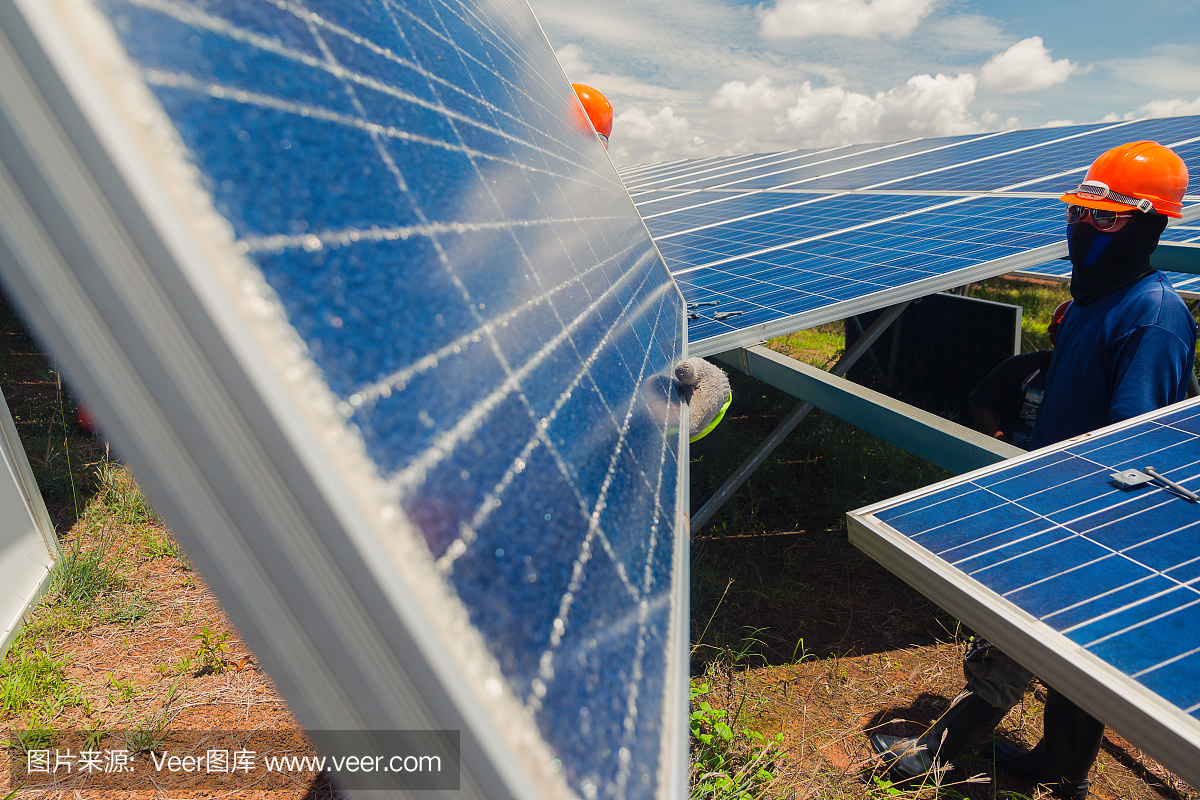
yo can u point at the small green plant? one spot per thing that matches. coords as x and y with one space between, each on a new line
161 544
118 498
727 764
125 690
81 576
212 651
36 736
31 677
150 732
126 609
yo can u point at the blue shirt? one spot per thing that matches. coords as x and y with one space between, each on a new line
1120 356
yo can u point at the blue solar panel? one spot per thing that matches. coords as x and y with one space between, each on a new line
689 173
762 172
816 281
1052 536
489 334
685 241
1189 151
1055 156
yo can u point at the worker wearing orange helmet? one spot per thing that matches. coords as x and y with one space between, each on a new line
1125 346
1129 341
599 110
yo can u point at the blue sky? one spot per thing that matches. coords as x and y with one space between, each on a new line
710 77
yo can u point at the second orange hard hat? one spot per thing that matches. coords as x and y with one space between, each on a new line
1137 175
598 109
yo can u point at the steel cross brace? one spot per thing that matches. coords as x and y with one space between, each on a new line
737 358
947 444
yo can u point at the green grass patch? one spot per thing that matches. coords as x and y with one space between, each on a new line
82 575
34 678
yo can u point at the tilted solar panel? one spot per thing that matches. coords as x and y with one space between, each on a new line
1091 586
357 292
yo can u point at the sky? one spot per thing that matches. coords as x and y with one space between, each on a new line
698 78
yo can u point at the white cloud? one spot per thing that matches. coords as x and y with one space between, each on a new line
864 19
1166 68
1025 67
805 116
640 138
573 62
1158 108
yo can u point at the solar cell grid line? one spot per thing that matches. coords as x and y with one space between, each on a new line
685 166
827 278
684 176
689 169
846 170
776 165
1049 157
962 152
1187 149
1092 586
787 241
734 209
757 232
385 342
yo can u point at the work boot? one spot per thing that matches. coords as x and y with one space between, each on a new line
963 725
1064 756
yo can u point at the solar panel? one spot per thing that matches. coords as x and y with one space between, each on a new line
28 547
818 280
791 240
358 293
1092 586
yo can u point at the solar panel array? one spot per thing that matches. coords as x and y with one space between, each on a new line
1048 554
766 244
406 347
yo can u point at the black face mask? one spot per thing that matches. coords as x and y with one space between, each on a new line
1104 262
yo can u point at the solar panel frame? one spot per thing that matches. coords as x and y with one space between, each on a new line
1163 729
109 257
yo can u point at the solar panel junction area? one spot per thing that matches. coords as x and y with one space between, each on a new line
1092 586
357 292
767 244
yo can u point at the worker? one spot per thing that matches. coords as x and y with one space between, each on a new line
1005 404
599 110
1125 347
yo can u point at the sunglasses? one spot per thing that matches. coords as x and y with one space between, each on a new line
1101 220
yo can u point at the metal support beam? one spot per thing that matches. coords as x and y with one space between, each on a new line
1177 257
738 360
947 444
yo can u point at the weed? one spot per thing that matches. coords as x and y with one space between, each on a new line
36 736
80 576
127 609
118 498
150 732
161 544
30 678
125 689
212 651
727 764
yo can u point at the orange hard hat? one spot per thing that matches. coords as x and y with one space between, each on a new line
598 109
1138 175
